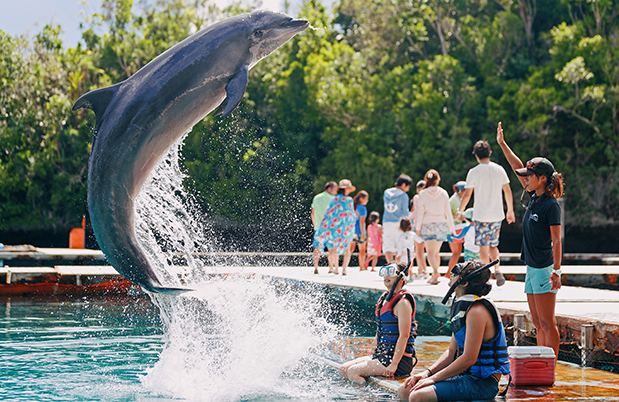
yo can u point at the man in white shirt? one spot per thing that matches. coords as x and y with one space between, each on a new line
489 181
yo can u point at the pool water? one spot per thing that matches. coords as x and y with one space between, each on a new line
118 349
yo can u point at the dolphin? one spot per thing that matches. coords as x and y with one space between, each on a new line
138 119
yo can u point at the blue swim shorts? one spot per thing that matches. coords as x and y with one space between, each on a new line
467 387
487 233
537 280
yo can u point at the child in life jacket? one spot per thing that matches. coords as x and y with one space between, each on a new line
477 356
395 334
471 250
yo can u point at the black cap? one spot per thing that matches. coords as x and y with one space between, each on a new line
539 166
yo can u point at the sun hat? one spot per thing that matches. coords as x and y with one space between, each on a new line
461 185
468 214
539 166
345 183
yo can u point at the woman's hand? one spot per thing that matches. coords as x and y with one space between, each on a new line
555 280
412 381
426 382
390 370
500 139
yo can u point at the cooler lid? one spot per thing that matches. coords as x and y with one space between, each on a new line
527 352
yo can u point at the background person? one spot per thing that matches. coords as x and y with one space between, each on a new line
396 206
359 202
463 372
434 220
420 247
541 240
455 245
405 242
488 180
338 226
395 334
471 250
319 206
375 239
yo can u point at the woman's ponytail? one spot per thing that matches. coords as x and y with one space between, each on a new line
554 188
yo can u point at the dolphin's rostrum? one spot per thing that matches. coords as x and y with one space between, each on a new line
138 119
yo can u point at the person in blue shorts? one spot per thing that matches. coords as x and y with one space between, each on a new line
541 240
471 368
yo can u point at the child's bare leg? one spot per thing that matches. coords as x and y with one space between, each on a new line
421 258
362 247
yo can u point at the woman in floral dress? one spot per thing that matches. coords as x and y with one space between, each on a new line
338 225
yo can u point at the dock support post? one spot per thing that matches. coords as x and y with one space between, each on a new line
78 280
586 340
519 324
8 277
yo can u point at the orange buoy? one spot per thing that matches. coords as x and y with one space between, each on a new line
77 236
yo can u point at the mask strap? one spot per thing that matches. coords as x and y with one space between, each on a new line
462 279
400 276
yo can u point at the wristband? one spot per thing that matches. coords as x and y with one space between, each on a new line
431 373
557 272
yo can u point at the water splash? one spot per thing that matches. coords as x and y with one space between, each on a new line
236 336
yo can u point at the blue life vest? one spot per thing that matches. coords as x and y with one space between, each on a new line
387 331
492 357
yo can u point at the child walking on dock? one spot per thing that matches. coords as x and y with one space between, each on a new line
375 239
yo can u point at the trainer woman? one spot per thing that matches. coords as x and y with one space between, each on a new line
541 242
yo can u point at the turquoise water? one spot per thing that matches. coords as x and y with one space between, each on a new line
84 349
115 349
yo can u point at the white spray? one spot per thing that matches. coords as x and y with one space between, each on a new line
234 336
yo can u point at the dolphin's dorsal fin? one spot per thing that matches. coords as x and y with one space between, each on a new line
234 92
97 100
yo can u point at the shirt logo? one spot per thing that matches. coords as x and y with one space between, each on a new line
460 314
391 207
534 217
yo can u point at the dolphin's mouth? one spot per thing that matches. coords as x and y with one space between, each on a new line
298 24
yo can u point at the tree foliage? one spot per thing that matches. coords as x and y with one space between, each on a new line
375 89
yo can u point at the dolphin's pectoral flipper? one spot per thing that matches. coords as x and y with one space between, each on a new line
234 92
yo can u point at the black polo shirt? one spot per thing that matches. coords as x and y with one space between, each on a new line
542 213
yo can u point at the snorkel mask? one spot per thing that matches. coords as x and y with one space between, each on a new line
457 270
391 270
